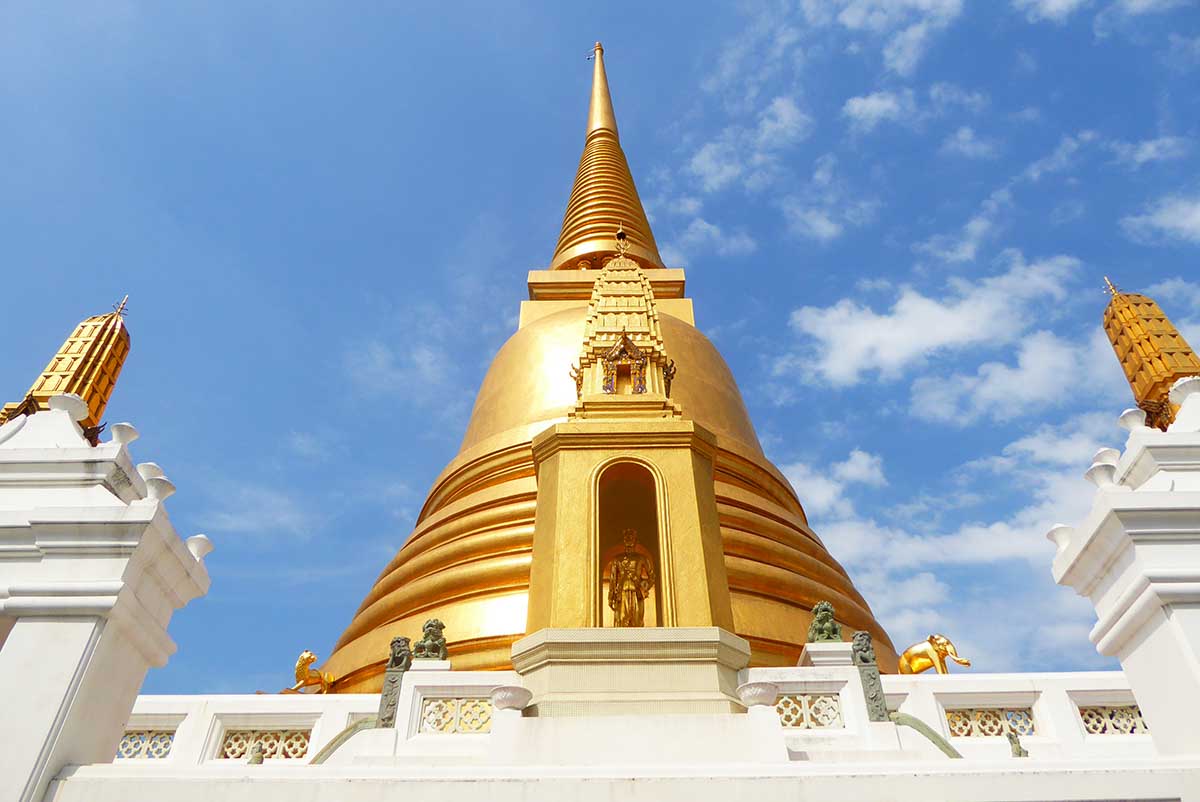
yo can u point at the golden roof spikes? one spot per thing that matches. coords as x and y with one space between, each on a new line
604 196
1152 352
87 365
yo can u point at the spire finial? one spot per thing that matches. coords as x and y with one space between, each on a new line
603 195
120 308
600 112
1113 291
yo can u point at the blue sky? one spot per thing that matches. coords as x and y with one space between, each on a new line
895 216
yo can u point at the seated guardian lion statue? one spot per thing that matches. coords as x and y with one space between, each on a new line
308 677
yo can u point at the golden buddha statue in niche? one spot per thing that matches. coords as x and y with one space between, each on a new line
631 577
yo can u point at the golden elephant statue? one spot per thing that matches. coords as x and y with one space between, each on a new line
930 653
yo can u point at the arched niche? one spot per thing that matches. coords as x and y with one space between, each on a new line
627 499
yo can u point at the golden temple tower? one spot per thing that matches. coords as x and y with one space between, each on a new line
1151 351
607 411
87 364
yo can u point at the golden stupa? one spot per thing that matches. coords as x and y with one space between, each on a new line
606 411
87 364
1152 352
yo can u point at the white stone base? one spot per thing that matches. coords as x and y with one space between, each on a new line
826 654
644 670
423 664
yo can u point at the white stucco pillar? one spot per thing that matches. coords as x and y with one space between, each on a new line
91 571
1137 558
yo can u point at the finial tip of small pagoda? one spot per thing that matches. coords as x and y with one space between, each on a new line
120 308
1112 289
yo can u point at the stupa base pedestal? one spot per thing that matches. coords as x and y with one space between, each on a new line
619 671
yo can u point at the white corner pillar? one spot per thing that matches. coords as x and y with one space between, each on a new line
1137 558
91 571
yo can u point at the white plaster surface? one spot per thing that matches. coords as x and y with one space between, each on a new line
1136 557
91 571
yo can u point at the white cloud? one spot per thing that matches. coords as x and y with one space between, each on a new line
259 510
716 164
1067 211
1049 372
904 27
1164 148
1174 291
946 96
843 342
1061 158
868 111
1053 10
964 245
818 492
965 143
1176 294
906 48
823 490
377 368
1136 7
747 61
1070 446
1175 217
703 236
1183 52
861 467
900 571
781 124
823 209
812 223
751 154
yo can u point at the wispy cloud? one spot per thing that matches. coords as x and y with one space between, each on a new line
885 556
1061 158
824 208
1175 217
261 510
964 245
842 343
1136 154
1052 10
701 238
750 155
1044 365
866 112
904 29
823 490
966 143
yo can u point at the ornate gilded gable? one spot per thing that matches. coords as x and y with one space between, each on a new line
622 354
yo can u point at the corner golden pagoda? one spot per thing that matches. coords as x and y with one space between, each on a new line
87 364
606 412
1152 352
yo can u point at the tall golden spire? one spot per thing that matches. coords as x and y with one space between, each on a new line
1152 352
604 196
87 365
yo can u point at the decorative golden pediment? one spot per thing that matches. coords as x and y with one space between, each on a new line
622 358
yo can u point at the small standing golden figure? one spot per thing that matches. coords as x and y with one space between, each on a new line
630 581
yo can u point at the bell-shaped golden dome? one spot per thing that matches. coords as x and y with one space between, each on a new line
467 562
